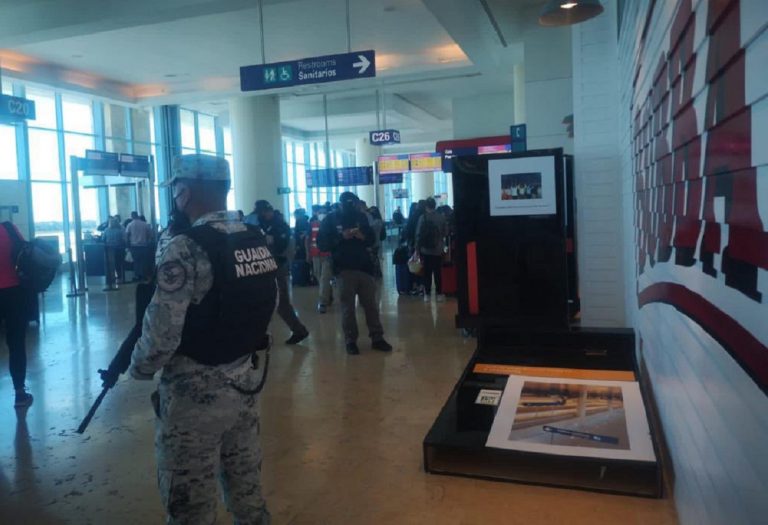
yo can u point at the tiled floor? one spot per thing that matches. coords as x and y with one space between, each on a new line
342 435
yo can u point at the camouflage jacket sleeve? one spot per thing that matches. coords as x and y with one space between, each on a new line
177 276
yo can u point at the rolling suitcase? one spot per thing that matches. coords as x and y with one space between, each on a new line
449 283
403 278
300 272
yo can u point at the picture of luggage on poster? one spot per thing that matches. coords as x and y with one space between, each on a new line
572 417
522 186
575 415
519 186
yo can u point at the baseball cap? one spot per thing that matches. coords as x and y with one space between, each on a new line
348 196
263 205
199 167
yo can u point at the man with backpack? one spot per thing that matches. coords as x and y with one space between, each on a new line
13 297
278 235
430 243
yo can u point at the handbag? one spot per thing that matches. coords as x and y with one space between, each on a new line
415 264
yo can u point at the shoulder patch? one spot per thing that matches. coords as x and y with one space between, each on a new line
171 276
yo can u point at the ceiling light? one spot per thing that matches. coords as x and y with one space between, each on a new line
564 13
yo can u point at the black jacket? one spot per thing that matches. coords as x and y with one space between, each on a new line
280 232
347 254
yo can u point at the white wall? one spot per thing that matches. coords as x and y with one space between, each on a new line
485 115
597 175
548 86
695 199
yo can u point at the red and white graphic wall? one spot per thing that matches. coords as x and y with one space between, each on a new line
694 94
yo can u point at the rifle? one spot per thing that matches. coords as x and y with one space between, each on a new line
122 360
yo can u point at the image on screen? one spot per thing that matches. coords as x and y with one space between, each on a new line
521 186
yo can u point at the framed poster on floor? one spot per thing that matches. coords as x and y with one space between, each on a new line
522 186
573 417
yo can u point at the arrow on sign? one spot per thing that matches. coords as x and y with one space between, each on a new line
363 64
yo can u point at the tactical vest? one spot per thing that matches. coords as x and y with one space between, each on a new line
232 319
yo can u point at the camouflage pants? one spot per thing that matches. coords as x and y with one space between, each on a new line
209 430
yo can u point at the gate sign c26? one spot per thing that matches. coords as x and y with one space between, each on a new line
384 136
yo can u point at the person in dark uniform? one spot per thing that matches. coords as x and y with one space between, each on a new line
348 235
206 328
278 235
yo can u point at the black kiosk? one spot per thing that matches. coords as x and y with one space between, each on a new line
542 400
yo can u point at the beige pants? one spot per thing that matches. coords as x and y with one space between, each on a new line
323 269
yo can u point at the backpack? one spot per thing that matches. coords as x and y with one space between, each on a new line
429 234
36 262
400 255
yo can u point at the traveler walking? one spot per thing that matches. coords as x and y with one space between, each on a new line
430 243
14 300
347 235
278 235
322 265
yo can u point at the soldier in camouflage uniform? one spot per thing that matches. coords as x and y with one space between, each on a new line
206 329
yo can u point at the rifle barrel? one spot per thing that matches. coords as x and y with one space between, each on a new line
92 411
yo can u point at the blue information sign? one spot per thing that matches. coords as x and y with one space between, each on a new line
390 178
314 70
332 177
16 109
384 136
134 165
519 137
99 163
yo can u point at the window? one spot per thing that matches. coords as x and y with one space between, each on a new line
227 133
48 211
89 209
9 167
188 141
44 155
45 108
75 145
77 114
142 126
207 133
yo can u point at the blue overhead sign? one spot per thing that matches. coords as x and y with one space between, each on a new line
333 177
134 165
16 109
100 163
384 136
314 70
390 178
519 138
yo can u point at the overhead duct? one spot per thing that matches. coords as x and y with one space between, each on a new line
569 12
